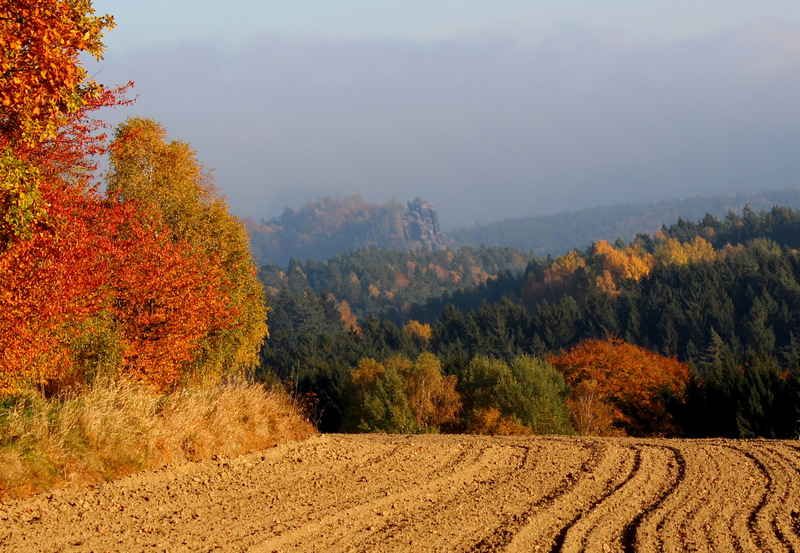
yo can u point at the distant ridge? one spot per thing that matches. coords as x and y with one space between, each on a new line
329 226
561 232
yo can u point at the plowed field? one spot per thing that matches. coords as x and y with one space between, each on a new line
437 493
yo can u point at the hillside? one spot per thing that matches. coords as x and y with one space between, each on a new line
721 296
329 226
559 233
380 282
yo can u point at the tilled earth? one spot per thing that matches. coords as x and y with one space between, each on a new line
437 493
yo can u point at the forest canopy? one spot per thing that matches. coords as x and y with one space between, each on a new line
691 331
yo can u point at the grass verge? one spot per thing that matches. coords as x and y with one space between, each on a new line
118 428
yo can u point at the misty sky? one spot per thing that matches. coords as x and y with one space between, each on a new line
487 109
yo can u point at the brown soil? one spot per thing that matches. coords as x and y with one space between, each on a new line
437 493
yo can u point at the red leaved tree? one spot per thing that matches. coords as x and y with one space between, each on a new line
88 285
102 288
617 386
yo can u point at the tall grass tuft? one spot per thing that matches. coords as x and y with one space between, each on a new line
116 428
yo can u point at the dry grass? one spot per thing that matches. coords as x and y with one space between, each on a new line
118 428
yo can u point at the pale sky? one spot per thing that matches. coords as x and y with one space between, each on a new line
487 109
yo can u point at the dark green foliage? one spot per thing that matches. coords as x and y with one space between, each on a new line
380 405
757 399
750 298
779 224
528 391
736 319
600 318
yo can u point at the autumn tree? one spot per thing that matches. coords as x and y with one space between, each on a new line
400 395
164 298
102 290
629 384
673 252
87 285
147 168
42 78
43 291
420 330
41 84
50 272
613 265
378 402
431 395
419 333
525 396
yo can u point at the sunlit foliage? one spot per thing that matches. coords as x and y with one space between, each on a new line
399 395
528 394
147 168
628 382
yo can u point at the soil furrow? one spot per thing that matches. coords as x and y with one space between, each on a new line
571 530
605 525
548 524
771 521
461 507
752 498
436 493
368 517
689 520
504 534
643 533
674 473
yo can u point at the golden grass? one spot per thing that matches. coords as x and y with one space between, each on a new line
119 428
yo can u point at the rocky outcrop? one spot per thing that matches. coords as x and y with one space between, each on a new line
329 226
423 225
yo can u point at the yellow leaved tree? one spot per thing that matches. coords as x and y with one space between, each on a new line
673 252
148 168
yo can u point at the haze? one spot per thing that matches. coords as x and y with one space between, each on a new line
487 109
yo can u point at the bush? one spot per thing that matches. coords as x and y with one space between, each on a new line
529 393
400 396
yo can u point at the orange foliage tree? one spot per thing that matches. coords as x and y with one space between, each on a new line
166 176
349 320
102 289
164 298
41 42
88 285
620 387
42 84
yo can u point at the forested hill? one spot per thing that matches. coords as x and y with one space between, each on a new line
704 316
386 283
319 230
558 233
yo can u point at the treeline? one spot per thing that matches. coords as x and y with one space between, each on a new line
388 283
721 297
330 226
561 232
